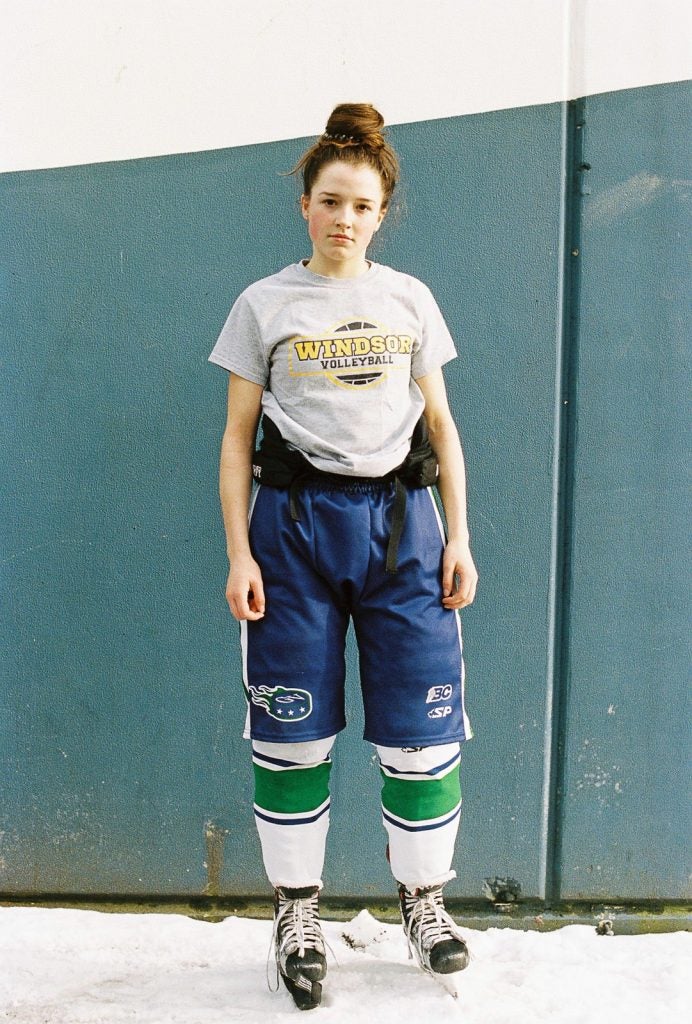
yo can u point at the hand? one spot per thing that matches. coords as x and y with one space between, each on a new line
244 590
459 576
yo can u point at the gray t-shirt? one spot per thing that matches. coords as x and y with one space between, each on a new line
338 359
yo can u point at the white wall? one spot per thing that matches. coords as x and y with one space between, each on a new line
90 81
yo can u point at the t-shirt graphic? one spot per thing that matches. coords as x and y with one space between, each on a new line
358 354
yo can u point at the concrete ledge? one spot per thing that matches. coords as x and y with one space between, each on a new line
607 918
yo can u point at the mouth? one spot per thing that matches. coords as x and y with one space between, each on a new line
341 238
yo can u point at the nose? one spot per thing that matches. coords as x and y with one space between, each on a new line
344 218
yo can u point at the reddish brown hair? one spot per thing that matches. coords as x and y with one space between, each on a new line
353 134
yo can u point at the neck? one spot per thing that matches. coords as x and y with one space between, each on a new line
346 269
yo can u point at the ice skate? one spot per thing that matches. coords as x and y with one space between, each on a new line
431 933
299 945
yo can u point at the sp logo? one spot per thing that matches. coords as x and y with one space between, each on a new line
438 693
440 711
282 704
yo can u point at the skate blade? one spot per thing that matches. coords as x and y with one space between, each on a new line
449 982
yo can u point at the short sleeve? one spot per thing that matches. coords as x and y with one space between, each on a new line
239 347
436 346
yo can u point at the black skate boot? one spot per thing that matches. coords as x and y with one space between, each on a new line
298 944
431 933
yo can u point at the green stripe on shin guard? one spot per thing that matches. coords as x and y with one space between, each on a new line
292 790
421 799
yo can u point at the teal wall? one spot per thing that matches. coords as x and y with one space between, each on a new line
122 706
626 821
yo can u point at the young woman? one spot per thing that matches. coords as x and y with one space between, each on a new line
342 357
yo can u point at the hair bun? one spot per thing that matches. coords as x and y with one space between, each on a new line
355 123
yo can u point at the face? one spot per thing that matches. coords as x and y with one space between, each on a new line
343 211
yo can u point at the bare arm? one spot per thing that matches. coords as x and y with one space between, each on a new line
244 590
459 574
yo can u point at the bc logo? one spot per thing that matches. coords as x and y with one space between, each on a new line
282 704
438 693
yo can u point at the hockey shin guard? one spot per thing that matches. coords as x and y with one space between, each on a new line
421 805
292 809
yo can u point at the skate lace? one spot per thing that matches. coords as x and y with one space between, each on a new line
427 923
296 927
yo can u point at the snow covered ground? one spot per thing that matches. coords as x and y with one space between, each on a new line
85 967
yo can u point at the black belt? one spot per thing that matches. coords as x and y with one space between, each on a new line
277 464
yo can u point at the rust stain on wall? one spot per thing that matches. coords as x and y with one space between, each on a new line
215 838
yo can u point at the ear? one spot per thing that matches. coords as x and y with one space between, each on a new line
383 211
304 202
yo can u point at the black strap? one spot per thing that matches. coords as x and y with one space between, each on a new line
398 518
